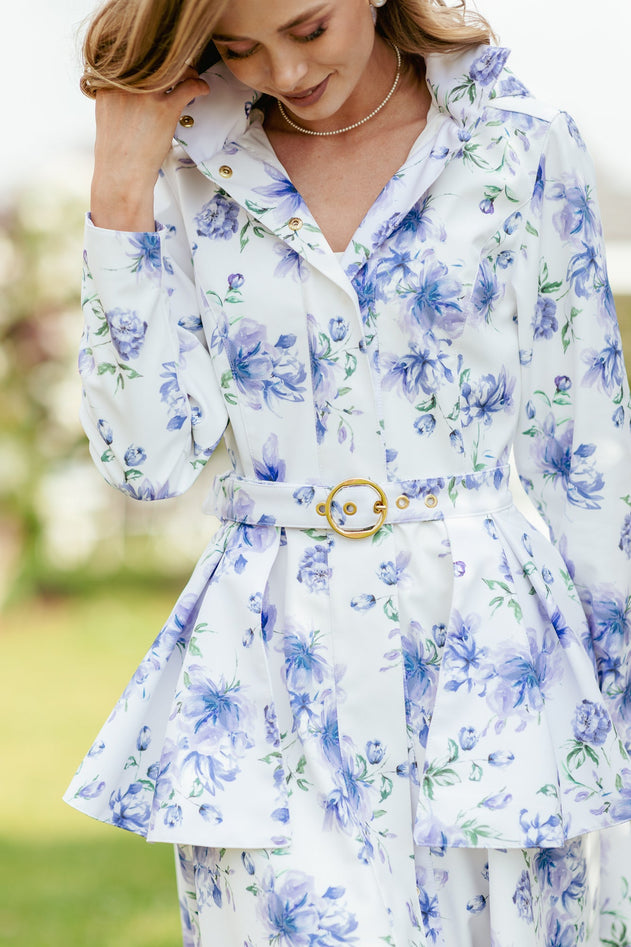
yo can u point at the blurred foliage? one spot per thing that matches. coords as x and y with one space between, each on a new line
61 526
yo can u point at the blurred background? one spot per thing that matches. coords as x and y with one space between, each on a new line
87 577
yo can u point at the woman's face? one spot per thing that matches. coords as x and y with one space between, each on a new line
311 54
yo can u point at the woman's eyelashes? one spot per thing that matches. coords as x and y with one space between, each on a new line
243 54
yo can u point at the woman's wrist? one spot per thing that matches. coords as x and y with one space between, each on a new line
128 208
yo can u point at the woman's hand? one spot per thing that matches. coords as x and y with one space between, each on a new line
133 137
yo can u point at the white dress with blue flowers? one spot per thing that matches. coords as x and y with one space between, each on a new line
414 736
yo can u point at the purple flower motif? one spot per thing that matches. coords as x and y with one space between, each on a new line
390 573
487 397
605 368
130 810
105 431
361 603
91 790
271 467
282 192
488 66
375 751
591 723
625 536
577 214
218 218
455 439
172 816
487 206
215 704
459 568
291 263
477 904
134 456
545 323
314 570
522 898
468 737
304 495
434 298
211 814
146 255
505 259
563 383
236 281
512 223
247 862
586 271
338 328
498 801
573 469
421 370
143 739
486 291
425 424
501 758
127 332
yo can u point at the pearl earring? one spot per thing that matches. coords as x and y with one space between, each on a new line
378 3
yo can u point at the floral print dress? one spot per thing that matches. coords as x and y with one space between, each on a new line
386 709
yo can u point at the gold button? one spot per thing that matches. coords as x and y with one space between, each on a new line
403 502
225 171
295 223
187 121
431 501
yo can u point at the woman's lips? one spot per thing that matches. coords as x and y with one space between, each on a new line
308 97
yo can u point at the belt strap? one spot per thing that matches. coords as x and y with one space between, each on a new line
357 507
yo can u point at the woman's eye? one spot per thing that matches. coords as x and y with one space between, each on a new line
311 36
235 54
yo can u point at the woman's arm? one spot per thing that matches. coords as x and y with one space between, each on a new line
573 446
152 406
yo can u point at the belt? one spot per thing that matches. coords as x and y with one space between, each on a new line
357 507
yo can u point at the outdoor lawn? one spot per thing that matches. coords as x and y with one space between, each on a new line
66 881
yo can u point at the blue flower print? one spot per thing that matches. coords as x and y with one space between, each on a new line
262 372
545 322
467 738
486 397
338 328
419 224
129 809
463 660
218 218
511 224
304 495
433 299
135 456
271 467
540 832
625 537
219 705
375 751
487 67
477 904
486 291
304 659
361 603
291 263
425 425
391 573
577 214
605 368
92 790
430 913
145 253
557 461
127 332
314 570
522 898
591 723
421 370
586 271
236 281
420 665
295 916
173 397
143 739
287 199
105 431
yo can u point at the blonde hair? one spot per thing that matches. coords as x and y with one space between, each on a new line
143 45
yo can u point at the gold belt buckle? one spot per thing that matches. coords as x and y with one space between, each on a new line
380 507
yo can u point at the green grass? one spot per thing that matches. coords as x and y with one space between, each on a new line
65 880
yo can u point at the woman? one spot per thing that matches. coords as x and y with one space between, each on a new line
386 709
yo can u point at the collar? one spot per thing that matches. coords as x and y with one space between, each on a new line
459 83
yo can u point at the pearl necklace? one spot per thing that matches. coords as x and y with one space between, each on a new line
340 131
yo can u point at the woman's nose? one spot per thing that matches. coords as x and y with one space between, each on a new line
288 71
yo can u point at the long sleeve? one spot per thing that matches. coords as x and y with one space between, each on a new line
573 444
152 405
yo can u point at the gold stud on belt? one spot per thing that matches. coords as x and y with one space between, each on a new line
380 507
